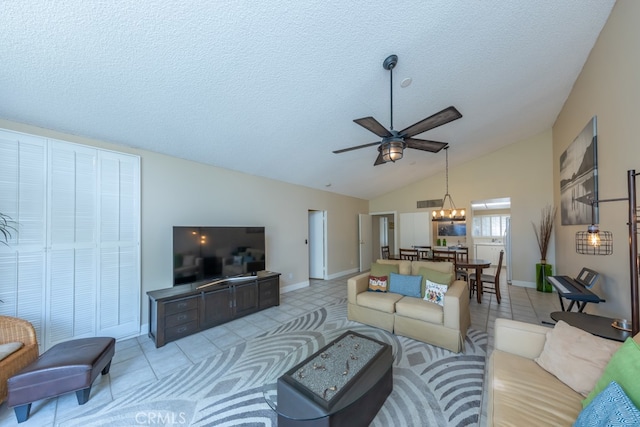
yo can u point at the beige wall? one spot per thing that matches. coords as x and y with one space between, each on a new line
608 87
180 192
522 171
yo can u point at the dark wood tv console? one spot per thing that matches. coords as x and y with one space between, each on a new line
186 309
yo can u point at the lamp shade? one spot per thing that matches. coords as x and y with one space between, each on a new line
392 150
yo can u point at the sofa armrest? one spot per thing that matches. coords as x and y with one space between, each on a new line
520 338
357 284
456 302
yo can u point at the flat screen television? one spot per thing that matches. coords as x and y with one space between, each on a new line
203 253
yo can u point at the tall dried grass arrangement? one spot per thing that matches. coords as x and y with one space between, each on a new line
6 228
544 229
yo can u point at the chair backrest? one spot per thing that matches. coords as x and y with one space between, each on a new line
497 278
462 254
409 254
441 255
384 252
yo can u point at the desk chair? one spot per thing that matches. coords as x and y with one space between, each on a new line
384 251
409 254
488 279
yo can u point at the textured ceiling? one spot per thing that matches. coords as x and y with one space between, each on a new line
271 88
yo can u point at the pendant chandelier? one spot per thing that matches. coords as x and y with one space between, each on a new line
450 213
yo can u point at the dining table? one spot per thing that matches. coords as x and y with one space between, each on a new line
478 265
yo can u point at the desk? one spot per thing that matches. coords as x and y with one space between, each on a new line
596 325
478 265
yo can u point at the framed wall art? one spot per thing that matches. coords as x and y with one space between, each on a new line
579 177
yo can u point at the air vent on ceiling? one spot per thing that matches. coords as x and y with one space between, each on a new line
433 203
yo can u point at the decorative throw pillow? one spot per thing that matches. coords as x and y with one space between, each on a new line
576 357
611 407
623 368
380 270
378 283
405 285
434 292
188 260
435 277
8 348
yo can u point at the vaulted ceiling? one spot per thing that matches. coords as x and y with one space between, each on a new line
271 88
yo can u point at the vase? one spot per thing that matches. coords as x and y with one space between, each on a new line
543 270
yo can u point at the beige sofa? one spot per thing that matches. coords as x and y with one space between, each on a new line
444 326
520 392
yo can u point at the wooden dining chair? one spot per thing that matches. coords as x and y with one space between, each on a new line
462 255
384 251
409 254
442 255
424 253
487 279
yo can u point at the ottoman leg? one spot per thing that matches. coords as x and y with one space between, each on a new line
22 412
105 370
83 395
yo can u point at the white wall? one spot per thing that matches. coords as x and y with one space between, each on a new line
180 192
608 87
522 171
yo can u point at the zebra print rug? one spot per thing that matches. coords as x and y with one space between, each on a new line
431 386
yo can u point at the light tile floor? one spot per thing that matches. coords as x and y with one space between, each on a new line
138 361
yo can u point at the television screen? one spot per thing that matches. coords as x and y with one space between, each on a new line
203 253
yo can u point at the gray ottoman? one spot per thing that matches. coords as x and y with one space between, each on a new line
65 367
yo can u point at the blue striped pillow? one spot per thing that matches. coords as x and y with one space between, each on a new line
610 407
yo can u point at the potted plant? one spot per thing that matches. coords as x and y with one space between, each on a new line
6 228
543 236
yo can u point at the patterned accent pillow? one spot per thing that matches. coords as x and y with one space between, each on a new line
378 283
434 292
435 277
622 368
405 285
611 407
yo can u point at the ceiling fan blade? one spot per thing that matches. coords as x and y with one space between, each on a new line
445 116
356 147
425 145
379 160
374 126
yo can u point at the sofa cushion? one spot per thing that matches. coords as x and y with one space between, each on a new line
405 285
434 292
381 301
611 407
435 276
404 266
378 283
443 267
419 309
8 348
378 269
622 368
576 357
524 394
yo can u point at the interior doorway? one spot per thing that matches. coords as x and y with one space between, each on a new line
317 244
491 231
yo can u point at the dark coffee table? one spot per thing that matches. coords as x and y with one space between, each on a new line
358 396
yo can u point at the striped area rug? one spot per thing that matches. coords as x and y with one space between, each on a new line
431 386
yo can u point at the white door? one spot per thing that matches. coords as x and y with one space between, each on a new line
365 230
316 244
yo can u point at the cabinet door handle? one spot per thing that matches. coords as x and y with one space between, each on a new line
182 317
182 305
181 330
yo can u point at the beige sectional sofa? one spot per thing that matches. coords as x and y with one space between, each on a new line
444 326
521 392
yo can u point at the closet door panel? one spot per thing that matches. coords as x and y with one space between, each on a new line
23 198
119 311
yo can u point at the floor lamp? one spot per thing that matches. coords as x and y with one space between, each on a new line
589 242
